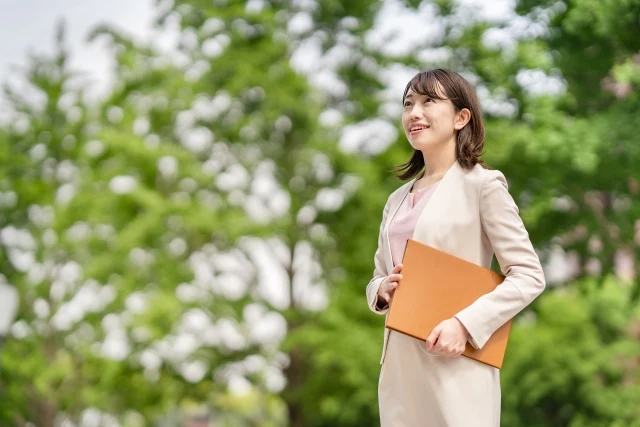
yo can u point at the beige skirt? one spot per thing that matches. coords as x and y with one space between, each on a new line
418 389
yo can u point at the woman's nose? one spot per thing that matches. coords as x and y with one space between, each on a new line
416 112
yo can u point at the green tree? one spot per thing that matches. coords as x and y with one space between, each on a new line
282 118
101 229
180 176
578 368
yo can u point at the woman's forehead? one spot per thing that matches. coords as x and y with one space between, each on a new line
435 89
411 93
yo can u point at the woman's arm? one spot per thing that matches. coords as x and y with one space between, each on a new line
377 304
518 261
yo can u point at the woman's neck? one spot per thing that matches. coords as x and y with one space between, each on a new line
438 162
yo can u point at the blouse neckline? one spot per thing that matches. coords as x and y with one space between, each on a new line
425 188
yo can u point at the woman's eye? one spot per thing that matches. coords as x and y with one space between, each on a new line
428 100
407 104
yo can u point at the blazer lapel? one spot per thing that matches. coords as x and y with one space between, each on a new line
392 212
447 184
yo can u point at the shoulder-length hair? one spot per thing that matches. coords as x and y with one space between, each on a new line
441 83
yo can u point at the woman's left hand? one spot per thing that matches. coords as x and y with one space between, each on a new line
449 338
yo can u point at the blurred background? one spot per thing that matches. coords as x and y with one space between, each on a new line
191 194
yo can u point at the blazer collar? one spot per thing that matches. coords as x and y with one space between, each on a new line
454 170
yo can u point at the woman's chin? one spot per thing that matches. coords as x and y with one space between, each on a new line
421 145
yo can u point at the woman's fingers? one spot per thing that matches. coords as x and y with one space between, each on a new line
387 290
392 287
391 283
395 277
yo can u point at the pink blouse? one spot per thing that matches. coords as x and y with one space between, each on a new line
404 222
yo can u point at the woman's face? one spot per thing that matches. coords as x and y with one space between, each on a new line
428 122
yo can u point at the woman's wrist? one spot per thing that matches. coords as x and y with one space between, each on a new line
464 328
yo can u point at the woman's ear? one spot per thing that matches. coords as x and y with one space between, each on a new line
462 118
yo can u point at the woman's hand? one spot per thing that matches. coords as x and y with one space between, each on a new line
390 283
449 338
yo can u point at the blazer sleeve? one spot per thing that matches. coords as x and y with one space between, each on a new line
524 278
380 271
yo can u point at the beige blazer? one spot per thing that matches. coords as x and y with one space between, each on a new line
470 215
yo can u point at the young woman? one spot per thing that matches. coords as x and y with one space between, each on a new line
455 204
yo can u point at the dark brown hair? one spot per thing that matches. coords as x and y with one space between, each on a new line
441 83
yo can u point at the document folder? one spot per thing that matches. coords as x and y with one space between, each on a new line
435 286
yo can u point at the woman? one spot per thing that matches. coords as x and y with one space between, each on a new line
454 204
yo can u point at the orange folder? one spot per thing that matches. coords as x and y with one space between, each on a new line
435 286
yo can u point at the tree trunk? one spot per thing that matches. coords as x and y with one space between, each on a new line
45 414
295 379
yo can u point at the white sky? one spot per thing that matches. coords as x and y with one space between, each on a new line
29 25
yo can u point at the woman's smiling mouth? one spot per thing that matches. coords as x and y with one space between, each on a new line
417 128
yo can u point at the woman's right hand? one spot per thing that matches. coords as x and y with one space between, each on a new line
390 283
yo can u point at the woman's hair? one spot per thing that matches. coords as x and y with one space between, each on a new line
441 83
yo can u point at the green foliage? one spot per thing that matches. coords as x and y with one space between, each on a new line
575 363
123 204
